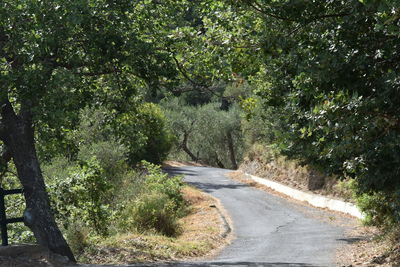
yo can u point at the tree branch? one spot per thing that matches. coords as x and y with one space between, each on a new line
197 85
98 73
185 147
259 9
184 73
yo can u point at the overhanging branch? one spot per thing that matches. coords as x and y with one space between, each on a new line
196 84
262 11
259 9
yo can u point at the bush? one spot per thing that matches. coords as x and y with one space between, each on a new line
111 155
159 205
145 133
381 209
79 192
141 132
153 212
84 186
157 181
94 191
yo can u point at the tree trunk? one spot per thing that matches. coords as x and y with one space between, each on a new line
231 148
219 162
19 139
186 149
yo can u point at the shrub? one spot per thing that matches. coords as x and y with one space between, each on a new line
381 209
159 205
110 154
157 181
93 190
153 212
145 133
78 192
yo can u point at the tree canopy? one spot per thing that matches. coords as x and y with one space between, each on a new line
56 58
321 76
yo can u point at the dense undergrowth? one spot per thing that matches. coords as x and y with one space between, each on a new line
96 193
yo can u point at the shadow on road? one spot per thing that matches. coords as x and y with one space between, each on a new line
203 186
173 171
210 187
225 264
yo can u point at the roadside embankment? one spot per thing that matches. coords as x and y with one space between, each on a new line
203 232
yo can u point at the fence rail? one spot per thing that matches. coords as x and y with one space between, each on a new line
3 216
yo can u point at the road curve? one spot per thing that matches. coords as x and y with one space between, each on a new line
269 231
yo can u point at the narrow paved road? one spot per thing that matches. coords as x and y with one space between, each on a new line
269 231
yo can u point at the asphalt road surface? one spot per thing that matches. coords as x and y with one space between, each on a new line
268 230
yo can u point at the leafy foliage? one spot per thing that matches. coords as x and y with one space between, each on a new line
81 196
15 206
324 77
145 133
159 206
94 190
71 53
328 84
206 133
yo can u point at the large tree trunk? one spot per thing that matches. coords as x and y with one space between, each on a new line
18 136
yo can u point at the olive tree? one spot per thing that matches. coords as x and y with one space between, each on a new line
206 133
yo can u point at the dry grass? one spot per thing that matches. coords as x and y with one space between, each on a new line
243 178
203 234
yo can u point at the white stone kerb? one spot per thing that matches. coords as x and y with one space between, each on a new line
312 199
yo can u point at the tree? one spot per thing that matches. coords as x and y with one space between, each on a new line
57 57
206 133
329 83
